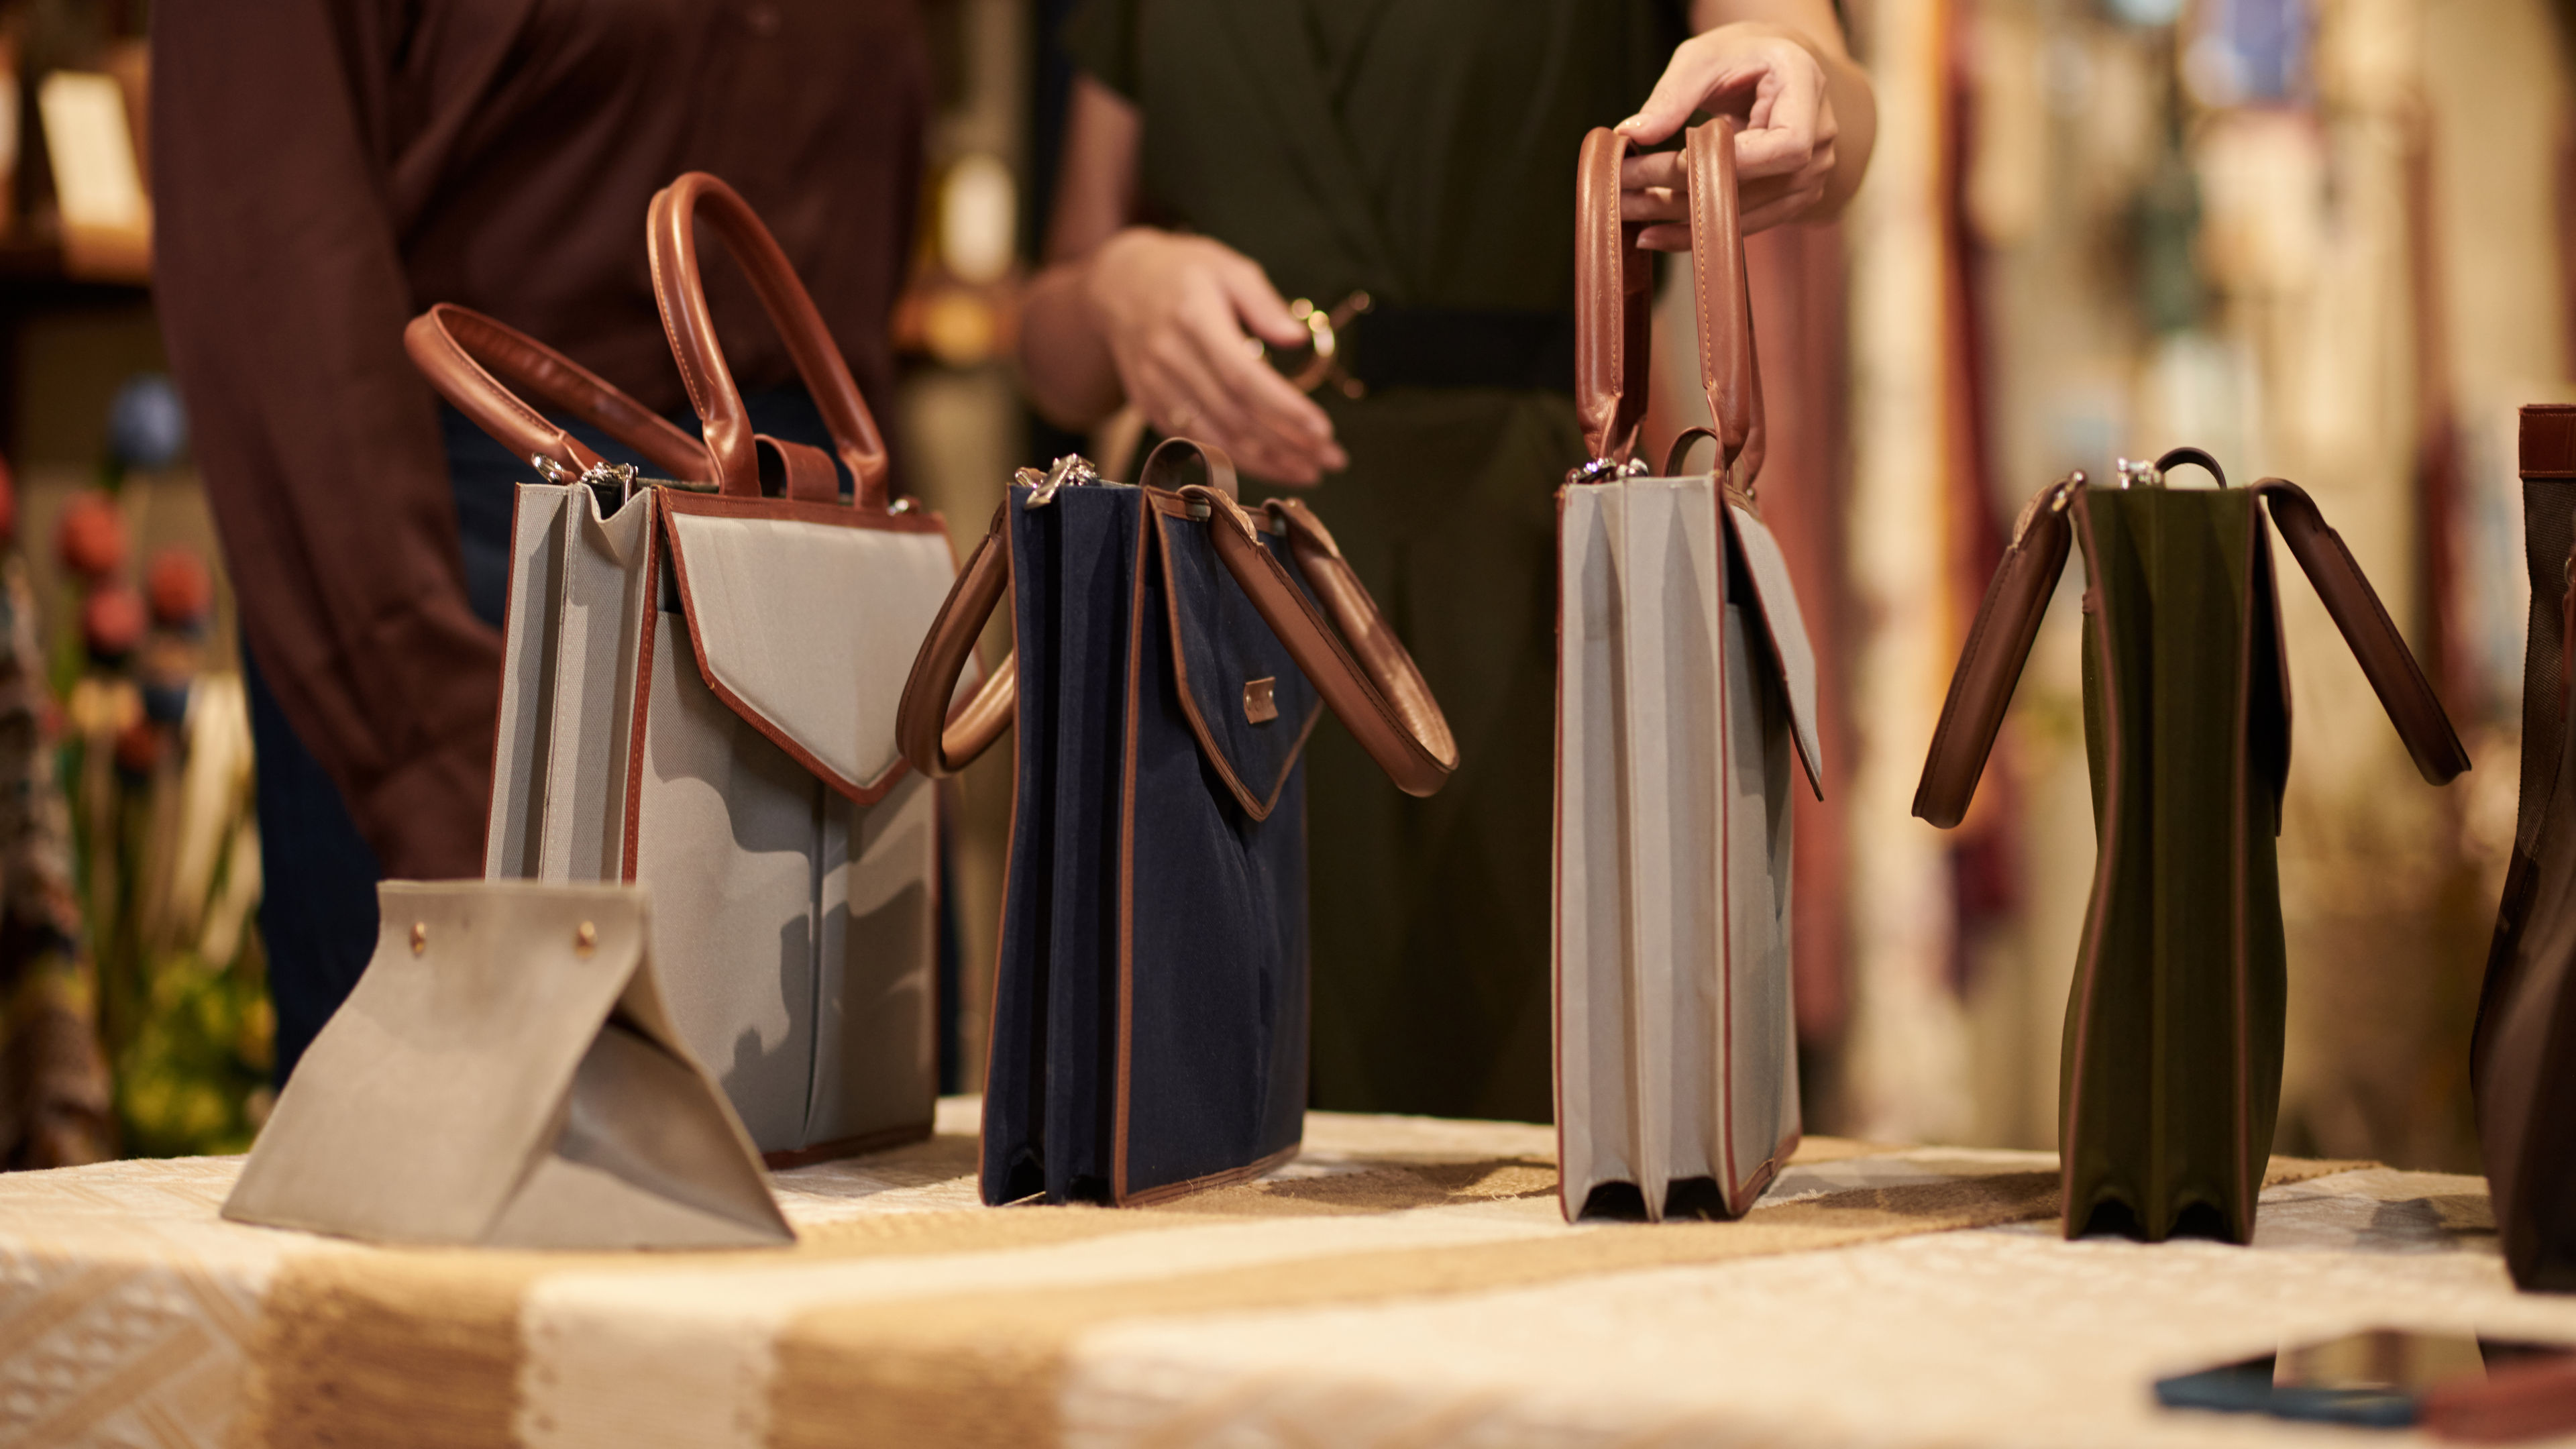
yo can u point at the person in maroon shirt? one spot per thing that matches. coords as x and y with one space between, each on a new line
325 169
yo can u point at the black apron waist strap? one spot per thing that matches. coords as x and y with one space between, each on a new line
1442 347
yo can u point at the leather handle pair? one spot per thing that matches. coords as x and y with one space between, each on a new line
1614 302
1353 657
475 362
2008 620
679 289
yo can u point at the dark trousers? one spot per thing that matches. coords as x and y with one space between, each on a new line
317 913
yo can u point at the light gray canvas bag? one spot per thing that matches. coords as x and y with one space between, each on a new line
1685 683
506 1073
699 695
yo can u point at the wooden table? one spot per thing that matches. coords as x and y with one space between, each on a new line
1407 1282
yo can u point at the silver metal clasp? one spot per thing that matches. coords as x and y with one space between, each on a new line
2138 473
1070 471
620 476
1603 470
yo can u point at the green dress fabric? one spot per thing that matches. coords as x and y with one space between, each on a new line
1423 151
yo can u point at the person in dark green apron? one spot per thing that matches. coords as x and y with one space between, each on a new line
1407 168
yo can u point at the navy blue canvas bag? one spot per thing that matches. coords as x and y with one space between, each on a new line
1175 651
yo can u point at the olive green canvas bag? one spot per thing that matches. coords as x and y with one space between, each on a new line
2170 1078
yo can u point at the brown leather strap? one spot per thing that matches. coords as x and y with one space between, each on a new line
2548 442
1614 302
1990 663
460 350
1165 466
1729 370
934 740
680 291
1379 694
1371 684
2354 605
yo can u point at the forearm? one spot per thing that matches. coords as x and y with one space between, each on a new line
1065 362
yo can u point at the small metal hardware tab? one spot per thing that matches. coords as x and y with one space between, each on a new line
1603 470
419 937
2138 473
904 505
1070 471
620 476
1260 703
585 938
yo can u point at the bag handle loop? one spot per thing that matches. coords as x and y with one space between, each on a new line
1353 658
1999 642
460 351
1614 299
1614 304
679 290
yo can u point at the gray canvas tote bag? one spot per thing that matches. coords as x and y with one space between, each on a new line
1685 684
506 1073
699 693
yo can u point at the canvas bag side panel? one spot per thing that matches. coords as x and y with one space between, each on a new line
2105 1118
604 567
530 638
2261 941
2212 969
1674 575
438 1084
1595 1105
1781 625
2530 1028
728 834
876 1061
1048 1092
757 579
1757 1081
1214 975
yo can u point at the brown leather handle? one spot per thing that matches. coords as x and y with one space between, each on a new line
2354 606
1372 684
1990 663
679 290
1614 299
934 740
2008 621
1729 370
460 351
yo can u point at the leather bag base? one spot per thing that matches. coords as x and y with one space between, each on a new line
506 1074
1677 723
1150 1004
2170 1076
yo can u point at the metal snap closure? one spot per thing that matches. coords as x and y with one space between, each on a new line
1260 703
585 938
419 937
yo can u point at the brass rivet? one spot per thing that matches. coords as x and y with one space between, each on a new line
586 938
419 937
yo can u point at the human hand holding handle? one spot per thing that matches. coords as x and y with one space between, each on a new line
1771 77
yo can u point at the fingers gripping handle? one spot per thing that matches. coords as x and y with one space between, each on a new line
1614 305
460 351
679 289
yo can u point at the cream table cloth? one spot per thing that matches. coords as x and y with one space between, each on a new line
1406 1282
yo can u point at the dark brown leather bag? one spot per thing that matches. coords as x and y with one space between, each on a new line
2522 1056
2171 1078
